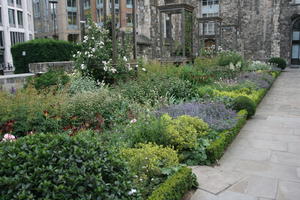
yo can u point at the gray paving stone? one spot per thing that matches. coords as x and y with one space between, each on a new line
294 147
203 195
215 180
256 186
249 153
228 195
288 191
286 158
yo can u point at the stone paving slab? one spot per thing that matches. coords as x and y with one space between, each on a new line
263 163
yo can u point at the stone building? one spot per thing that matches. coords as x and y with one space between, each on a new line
258 29
16 25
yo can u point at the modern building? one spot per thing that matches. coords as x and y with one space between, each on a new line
16 25
57 19
63 19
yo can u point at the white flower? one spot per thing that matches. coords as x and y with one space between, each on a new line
82 66
93 49
144 69
113 70
8 137
132 191
231 66
133 121
86 37
125 59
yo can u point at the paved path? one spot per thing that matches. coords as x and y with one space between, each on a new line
263 163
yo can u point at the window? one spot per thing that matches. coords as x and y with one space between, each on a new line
209 28
297 2
10 2
19 3
129 3
1 39
0 15
87 4
16 37
11 17
129 19
209 2
72 18
36 9
20 18
71 3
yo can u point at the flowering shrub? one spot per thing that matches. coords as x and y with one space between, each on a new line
261 80
147 162
95 57
8 137
215 114
57 166
80 84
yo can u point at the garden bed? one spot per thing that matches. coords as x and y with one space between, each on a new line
143 127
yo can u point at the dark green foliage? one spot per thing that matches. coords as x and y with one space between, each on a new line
278 62
156 89
50 79
245 103
196 75
60 167
41 50
176 186
226 58
217 148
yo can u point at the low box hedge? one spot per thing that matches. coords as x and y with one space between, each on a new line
217 148
176 186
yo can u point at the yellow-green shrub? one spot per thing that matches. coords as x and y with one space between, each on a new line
184 131
147 160
254 95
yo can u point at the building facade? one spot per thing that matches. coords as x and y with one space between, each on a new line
258 29
16 25
59 20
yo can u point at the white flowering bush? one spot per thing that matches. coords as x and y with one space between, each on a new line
95 57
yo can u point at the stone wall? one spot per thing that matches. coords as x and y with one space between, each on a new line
11 83
43 67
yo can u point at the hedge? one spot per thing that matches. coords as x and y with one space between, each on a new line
60 167
217 148
41 50
175 187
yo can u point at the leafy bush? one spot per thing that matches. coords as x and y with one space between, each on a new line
30 111
205 91
217 148
183 132
156 89
176 186
80 84
278 62
215 114
195 75
229 57
41 50
147 162
50 79
244 103
97 109
47 166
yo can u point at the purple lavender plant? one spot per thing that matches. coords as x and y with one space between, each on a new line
262 80
215 114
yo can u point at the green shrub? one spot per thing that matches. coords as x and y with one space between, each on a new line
29 110
156 89
228 57
98 109
195 75
80 84
176 186
183 132
47 166
41 50
278 62
244 103
147 162
53 78
206 91
217 148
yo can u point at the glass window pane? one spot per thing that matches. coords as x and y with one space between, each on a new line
296 35
295 53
